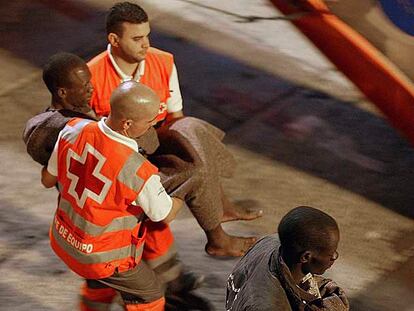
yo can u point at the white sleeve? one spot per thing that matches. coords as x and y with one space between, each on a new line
154 200
175 101
52 165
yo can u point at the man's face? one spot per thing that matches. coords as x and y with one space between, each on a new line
134 41
80 89
322 260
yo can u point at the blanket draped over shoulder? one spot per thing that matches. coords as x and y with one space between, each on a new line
42 131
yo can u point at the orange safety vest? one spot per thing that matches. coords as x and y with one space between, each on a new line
158 69
96 228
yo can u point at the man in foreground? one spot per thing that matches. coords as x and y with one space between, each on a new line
283 272
191 157
106 188
68 79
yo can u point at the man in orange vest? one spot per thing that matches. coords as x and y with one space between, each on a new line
68 79
106 190
130 57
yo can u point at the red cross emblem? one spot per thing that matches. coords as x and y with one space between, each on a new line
84 171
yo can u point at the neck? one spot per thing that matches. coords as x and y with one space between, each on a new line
294 268
56 104
296 272
110 123
129 67
113 125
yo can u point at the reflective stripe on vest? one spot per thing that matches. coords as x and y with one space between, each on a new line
105 79
70 245
132 164
119 223
97 228
71 132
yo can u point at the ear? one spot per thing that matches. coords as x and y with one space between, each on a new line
113 39
126 124
61 92
305 257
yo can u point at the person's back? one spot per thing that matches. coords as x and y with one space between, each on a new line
96 196
105 187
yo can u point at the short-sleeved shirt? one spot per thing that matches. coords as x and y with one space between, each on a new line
153 199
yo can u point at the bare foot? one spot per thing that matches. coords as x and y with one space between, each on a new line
230 246
240 211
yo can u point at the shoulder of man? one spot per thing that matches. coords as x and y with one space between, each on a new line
41 133
97 60
49 121
158 52
160 55
253 281
34 122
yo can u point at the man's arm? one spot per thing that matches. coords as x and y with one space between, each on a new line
50 171
175 101
174 115
177 204
48 180
156 203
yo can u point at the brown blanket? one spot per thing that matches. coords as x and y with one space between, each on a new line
192 159
41 132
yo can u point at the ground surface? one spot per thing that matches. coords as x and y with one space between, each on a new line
300 132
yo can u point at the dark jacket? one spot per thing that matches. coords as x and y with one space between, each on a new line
261 281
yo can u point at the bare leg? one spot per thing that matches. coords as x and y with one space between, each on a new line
219 243
238 212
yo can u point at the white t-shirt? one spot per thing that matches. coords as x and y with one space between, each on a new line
153 199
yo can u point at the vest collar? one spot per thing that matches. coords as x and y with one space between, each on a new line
129 142
124 77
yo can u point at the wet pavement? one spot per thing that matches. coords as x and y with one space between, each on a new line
301 134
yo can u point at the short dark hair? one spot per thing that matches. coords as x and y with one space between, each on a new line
124 12
56 72
305 228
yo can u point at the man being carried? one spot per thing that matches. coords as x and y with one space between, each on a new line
68 80
191 157
284 275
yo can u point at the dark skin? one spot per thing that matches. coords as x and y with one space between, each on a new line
76 95
315 261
